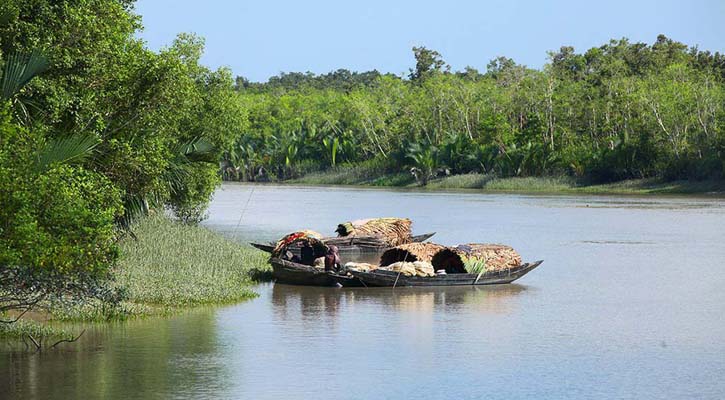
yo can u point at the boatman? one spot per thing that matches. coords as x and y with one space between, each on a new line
332 259
307 254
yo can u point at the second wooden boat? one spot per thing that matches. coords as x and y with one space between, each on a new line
381 277
349 244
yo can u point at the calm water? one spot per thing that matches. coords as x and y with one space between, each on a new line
630 303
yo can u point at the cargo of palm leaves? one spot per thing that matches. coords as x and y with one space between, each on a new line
430 264
365 235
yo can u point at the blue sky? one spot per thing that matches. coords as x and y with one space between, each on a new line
258 39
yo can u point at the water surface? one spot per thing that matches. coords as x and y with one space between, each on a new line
628 304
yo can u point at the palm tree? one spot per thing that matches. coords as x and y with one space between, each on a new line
20 68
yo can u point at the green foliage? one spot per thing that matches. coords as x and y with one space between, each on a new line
191 195
424 157
619 111
57 234
19 70
107 132
427 63
58 220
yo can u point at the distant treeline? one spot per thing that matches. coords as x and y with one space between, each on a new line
618 111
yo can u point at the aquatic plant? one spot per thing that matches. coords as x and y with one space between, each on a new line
168 266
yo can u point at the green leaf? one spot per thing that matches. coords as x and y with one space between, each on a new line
19 69
335 144
73 149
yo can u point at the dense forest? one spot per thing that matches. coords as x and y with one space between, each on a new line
96 131
622 110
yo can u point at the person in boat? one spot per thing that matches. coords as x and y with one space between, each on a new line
332 259
307 254
289 256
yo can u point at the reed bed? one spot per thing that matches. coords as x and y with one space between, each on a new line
170 266
38 330
513 184
176 265
543 184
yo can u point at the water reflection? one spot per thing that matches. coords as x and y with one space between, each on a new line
165 358
314 302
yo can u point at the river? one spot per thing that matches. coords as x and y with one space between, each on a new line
629 303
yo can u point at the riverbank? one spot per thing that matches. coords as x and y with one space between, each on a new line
488 183
166 268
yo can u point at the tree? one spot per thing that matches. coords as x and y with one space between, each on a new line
427 63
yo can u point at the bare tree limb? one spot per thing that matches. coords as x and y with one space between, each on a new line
68 340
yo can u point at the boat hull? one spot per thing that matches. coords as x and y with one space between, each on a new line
292 273
299 274
383 278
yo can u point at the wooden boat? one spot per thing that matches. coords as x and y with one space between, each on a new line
394 279
349 244
300 274
264 247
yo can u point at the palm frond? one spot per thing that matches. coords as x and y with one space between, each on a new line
175 175
134 207
19 69
197 148
72 149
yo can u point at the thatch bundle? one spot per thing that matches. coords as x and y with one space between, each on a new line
394 231
476 257
424 269
299 239
417 268
410 252
362 267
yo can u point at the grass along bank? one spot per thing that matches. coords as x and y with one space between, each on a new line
564 184
177 265
360 175
166 268
169 266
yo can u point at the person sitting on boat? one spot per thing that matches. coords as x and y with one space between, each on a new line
307 254
332 259
289 256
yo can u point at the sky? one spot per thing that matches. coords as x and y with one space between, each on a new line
259 39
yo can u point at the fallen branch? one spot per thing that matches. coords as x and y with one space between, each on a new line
68 340
35 342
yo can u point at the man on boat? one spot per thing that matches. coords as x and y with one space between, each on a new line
307 254
332 259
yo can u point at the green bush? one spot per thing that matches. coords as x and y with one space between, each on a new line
190 197
57 232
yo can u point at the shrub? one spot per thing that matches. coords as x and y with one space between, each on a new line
57 233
